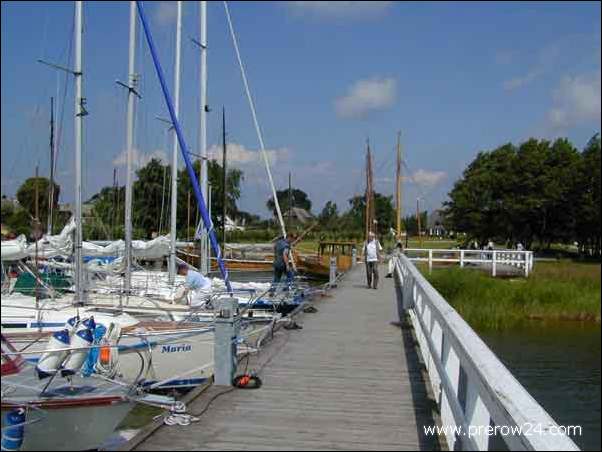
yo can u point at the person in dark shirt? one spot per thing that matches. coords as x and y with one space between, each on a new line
282 262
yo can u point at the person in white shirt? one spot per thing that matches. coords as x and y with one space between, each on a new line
196 284
372 249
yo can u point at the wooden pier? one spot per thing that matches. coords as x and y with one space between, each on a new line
349 380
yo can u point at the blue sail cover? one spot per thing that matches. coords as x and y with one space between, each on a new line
184 148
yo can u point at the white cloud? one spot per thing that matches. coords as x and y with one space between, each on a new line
518 82
426 178
365 96
576 99
139 160
344 9
165 13
241 156
546 59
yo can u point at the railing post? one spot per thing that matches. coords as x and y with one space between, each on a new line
494 264
224 344
333 272
461 258
430 261
353 256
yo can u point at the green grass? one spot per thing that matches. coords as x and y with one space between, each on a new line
555 291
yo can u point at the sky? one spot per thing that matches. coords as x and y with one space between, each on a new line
453 78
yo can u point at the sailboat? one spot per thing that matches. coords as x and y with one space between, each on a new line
158 337
75 414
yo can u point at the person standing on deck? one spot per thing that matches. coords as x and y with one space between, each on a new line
282 263
196 284
372 249
396 252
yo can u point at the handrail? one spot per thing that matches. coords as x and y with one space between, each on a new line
521 260
473 389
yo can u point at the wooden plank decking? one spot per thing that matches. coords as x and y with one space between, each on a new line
349 380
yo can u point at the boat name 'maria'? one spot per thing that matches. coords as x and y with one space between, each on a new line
176 348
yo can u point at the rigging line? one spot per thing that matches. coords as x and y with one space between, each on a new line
61 121
42 51
255 120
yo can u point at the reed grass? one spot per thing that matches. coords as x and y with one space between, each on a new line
555 291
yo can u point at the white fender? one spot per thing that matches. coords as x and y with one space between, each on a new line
82 340
50 361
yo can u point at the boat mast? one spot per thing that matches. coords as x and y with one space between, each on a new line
225 177
132 81
290 200
398 200
51 187
79 113
204 252
174 159
369 192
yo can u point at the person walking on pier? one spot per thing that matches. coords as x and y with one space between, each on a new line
372 249
282 263
397 251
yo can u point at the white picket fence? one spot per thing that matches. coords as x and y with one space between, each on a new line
481 403
510 260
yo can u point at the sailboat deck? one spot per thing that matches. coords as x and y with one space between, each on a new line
348 380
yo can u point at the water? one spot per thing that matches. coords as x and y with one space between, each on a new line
559 364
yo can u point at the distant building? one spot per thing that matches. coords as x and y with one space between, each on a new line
435 226
299 215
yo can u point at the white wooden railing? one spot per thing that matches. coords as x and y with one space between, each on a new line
522 261
475 392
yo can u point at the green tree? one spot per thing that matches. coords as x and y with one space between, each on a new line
410 224
148 190
329 215
26 195
588 221
215 175
480 202
109 210
383 209
539 193
299 199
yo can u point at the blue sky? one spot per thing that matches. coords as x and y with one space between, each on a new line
455 78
